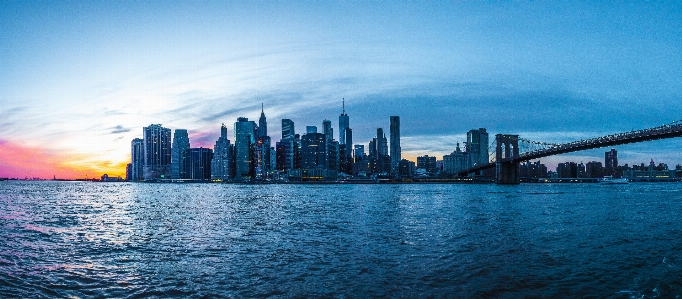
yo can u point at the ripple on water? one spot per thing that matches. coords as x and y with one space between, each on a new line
71 239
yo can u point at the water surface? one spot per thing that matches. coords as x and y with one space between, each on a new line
90 240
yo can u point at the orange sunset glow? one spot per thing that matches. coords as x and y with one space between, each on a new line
21 161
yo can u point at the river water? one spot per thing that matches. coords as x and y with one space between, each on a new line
109 240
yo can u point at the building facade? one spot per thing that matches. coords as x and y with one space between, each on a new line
244 140
477 147
180 145
455 162
395 145
343 124
157 152
137 160
222 168
198 163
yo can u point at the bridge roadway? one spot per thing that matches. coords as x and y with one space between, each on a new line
662 132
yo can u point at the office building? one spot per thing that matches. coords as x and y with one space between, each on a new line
198 163
594 169
137 160
180 144
427 163
610 162
244 140
343 124
262 124
313 151
455 162
222 168
288 128
477 147
157 152
395 144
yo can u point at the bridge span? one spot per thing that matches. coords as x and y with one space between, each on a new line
508 156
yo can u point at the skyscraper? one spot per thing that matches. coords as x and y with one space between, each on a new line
287 128
221 164
610 162
286 147
180 144
327 129
343 124
137 159
477 147
313 153
262 124
395 144
157 152
381 143
244 140
197 163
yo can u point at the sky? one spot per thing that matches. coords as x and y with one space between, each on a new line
80 79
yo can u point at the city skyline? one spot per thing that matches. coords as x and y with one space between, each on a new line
75 91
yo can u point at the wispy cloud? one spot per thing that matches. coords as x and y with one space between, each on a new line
118 129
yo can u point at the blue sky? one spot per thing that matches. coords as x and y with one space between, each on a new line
79 80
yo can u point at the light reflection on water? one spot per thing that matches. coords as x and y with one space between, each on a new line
64 239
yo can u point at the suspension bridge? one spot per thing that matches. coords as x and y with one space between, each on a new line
507 155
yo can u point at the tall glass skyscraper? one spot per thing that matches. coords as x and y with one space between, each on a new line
287 128
221 164
137 157
157 152
477 147
343 124
285 148
244 140
180 145
395 144
197 163
262 124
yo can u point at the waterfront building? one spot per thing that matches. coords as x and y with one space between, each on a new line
610 162
157 152
407 168
244 140
427 163
395 144
373 148
262 157
313 151
477 147
651 173
180 145
288 128
222 163
594 169
262 124
455 162
381 143
532 170
331 150
343 124
137 160
129 172
567 170
197 163
285 149
359 152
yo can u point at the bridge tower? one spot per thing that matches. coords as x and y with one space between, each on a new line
506 169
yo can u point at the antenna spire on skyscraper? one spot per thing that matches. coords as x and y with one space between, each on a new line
344 105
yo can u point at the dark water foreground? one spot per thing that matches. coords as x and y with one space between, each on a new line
89 240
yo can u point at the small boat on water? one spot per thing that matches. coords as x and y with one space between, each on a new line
612 180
